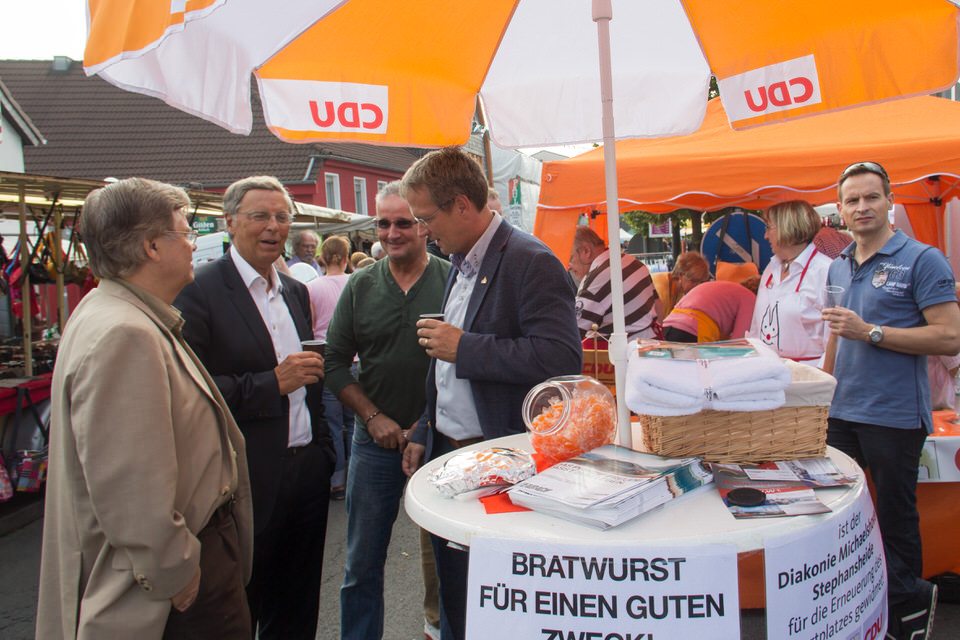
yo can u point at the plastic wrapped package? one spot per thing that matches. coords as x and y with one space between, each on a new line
479 468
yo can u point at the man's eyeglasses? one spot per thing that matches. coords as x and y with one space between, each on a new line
860 167
191 236
425 220
262 217
403 223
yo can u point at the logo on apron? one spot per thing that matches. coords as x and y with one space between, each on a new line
770 326
879 278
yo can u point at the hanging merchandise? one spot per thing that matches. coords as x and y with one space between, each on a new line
6 487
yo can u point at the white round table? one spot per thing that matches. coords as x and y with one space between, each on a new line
699 518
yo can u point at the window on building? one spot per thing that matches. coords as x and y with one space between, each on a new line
380 185
332 181
360 195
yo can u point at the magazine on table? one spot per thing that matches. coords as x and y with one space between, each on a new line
787 486
740 348
609 485
816 473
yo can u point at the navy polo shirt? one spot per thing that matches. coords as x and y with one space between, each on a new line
875 385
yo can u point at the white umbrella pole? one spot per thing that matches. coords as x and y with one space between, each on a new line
602 14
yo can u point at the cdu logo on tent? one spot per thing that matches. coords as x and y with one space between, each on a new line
776 87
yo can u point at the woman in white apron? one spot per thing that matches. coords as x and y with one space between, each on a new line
791 293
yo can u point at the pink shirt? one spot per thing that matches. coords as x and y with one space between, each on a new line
729 304
324 293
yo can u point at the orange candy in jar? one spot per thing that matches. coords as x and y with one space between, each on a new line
568 415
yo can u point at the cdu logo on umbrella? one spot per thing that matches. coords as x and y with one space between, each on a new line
309 105
776 87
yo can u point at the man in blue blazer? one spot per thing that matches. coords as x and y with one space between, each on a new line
245 321
509 324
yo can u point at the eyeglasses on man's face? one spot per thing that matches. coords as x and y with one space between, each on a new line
425 220
191 236
403 224
860 167
263 217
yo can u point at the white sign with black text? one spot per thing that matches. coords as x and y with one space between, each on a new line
549 591
829 581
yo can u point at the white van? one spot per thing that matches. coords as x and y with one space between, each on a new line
210 247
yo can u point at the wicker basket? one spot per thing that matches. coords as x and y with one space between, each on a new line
739 437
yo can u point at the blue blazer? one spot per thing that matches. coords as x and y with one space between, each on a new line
520 329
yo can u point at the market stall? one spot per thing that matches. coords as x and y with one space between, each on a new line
699 520
45 277
46 209
652 97
916 139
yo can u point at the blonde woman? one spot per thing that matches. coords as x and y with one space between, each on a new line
791 296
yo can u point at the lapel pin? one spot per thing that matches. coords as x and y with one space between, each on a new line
484 280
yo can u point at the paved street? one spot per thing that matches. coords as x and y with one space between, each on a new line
20 562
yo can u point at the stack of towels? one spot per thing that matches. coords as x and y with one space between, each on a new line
671 387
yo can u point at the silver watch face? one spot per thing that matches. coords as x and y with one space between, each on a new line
876 334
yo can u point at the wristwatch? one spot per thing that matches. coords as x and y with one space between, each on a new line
876 334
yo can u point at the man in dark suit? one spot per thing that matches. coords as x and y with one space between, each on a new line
245 321
509 324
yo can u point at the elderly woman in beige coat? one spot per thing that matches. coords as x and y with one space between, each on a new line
148 523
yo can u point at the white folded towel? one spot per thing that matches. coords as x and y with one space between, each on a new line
666 386
746 402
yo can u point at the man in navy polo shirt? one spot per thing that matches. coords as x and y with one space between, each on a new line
899 305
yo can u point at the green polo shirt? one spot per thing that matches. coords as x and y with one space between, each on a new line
377 321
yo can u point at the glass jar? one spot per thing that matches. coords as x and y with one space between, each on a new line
568 415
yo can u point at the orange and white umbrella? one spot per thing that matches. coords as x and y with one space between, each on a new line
409 72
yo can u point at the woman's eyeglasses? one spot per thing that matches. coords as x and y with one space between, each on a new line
403 223
191 236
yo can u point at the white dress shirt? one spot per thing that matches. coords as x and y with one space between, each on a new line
456 411
283 333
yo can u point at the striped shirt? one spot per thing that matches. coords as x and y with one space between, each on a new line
595 304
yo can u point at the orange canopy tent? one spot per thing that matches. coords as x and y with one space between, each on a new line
916 139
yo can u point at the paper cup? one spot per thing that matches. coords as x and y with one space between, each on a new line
316 346
431 316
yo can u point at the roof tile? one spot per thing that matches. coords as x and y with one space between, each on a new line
95 130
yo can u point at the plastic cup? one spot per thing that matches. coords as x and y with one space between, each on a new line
834 295
431 316
316 346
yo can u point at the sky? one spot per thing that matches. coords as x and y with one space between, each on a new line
41 29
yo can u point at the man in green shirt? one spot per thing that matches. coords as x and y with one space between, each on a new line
376 318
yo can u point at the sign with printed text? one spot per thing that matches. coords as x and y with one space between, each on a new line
829 581
777 87
303 105
940 460
548 591
205 224
663 230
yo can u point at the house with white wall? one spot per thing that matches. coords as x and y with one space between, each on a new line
16 132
